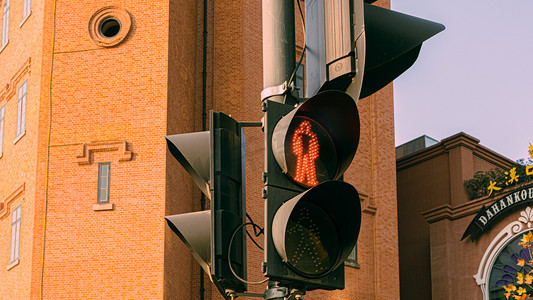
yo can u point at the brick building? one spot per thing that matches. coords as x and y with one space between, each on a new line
450 246
88 89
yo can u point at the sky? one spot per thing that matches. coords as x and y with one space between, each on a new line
476 76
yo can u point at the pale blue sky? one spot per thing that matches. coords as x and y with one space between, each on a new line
476 76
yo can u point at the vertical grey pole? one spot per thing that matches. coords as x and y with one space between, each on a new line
279 60
279 55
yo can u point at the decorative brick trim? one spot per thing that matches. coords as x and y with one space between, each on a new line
10 88
368 204
5 205
103 146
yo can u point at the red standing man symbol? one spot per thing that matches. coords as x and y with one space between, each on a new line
305 147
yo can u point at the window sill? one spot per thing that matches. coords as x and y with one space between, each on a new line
352 264
19 137
2 48
103 206
13 264
24 21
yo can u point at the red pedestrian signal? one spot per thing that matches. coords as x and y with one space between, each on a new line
305 147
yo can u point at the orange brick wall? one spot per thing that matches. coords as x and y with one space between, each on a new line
146 87
20 60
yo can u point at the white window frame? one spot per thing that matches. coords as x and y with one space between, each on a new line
26 10
15 235
104 181
5 24
21 110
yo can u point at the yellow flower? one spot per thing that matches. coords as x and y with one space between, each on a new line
521 262
519 278
510 287
529 279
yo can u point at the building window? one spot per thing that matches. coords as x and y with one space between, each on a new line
299 80
103 182
506 267
2 114
21 110
26 9
5 23
15 235
352 258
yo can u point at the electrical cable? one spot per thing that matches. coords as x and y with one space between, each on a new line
229 254
48 142
304 47
256 233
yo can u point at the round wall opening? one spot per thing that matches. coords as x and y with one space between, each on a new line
109 27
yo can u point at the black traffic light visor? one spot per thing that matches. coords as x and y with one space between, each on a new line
393 42
194 229
192 151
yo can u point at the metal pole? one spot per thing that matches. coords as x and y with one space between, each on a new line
279 61
279 54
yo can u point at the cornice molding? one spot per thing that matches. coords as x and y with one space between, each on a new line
466 209
458 140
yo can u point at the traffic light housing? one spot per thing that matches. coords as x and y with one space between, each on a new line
358 47
312 219
393 42
335 45
215 161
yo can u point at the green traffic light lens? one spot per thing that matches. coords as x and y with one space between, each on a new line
310 152
312 243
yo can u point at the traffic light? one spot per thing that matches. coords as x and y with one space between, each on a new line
215 160
312 218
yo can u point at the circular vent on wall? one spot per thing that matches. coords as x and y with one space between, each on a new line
109 26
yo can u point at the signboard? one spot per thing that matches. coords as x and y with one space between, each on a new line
486 216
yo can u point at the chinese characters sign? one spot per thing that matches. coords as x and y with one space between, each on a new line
511 175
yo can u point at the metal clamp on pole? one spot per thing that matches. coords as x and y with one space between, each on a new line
289 91
276 293
272 91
